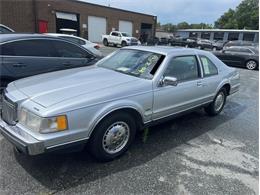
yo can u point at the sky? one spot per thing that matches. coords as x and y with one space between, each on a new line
175 11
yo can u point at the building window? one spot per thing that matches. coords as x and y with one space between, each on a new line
249 36
205 35
193 35
233 36
218 36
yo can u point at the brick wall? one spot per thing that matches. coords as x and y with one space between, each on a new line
19 15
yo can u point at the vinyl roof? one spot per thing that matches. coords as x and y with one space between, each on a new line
165 50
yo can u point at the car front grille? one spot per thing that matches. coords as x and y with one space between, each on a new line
134 40
9 111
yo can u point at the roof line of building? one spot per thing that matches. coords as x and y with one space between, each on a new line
113 8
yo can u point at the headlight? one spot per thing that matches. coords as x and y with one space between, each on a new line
128 39
42 125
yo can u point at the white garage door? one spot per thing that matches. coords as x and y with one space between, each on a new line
97 27
126 26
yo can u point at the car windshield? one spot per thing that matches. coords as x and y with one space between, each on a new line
125 35
137 63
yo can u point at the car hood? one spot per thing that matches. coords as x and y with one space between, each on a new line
52 88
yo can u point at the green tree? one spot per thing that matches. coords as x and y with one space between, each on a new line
200 26
227 20
245 16
183 25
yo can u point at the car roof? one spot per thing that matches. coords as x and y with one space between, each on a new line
60 34
17 36
166 50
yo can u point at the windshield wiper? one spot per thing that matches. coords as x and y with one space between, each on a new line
129 73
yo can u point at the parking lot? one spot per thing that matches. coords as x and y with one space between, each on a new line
192 154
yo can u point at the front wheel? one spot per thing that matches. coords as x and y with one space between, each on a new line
112 137
251 65
123 44
218 103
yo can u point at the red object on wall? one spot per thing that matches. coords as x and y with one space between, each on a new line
43 26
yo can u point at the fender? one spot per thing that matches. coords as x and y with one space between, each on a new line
114 106
223 82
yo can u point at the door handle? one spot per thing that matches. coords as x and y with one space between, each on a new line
19 65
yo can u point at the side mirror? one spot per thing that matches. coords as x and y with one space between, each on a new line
173 81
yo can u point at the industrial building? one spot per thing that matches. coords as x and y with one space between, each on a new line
220 34
75 17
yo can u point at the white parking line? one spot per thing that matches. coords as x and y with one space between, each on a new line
252 78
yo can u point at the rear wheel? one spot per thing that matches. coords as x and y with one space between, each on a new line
218 104
251 65
123 44
112 137
105 42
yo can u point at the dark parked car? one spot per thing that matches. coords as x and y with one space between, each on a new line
4 29
183 42
163 41
218 45
240 56
204 44
24 55
240 43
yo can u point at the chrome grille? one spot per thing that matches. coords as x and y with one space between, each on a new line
9 111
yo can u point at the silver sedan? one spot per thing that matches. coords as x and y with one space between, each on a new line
107 103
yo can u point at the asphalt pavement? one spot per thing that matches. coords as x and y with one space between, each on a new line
193 154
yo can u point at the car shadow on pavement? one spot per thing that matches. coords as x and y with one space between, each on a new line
63 171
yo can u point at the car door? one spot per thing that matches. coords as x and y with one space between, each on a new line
114 37
28 57
230 56
187 94
70 55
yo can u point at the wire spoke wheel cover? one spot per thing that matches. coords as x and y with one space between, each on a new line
219 102
116 137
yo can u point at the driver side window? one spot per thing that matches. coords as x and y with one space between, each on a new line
184 68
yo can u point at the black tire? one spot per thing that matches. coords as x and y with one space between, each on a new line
211 109
96 144
105 42
123 44
251 65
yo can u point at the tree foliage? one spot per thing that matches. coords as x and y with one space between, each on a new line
245 16
182 25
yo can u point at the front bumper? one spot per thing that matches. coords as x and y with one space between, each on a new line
31 146
22 140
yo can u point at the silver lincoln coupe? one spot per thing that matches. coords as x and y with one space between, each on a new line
105 104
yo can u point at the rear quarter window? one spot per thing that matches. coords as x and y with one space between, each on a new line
209 68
